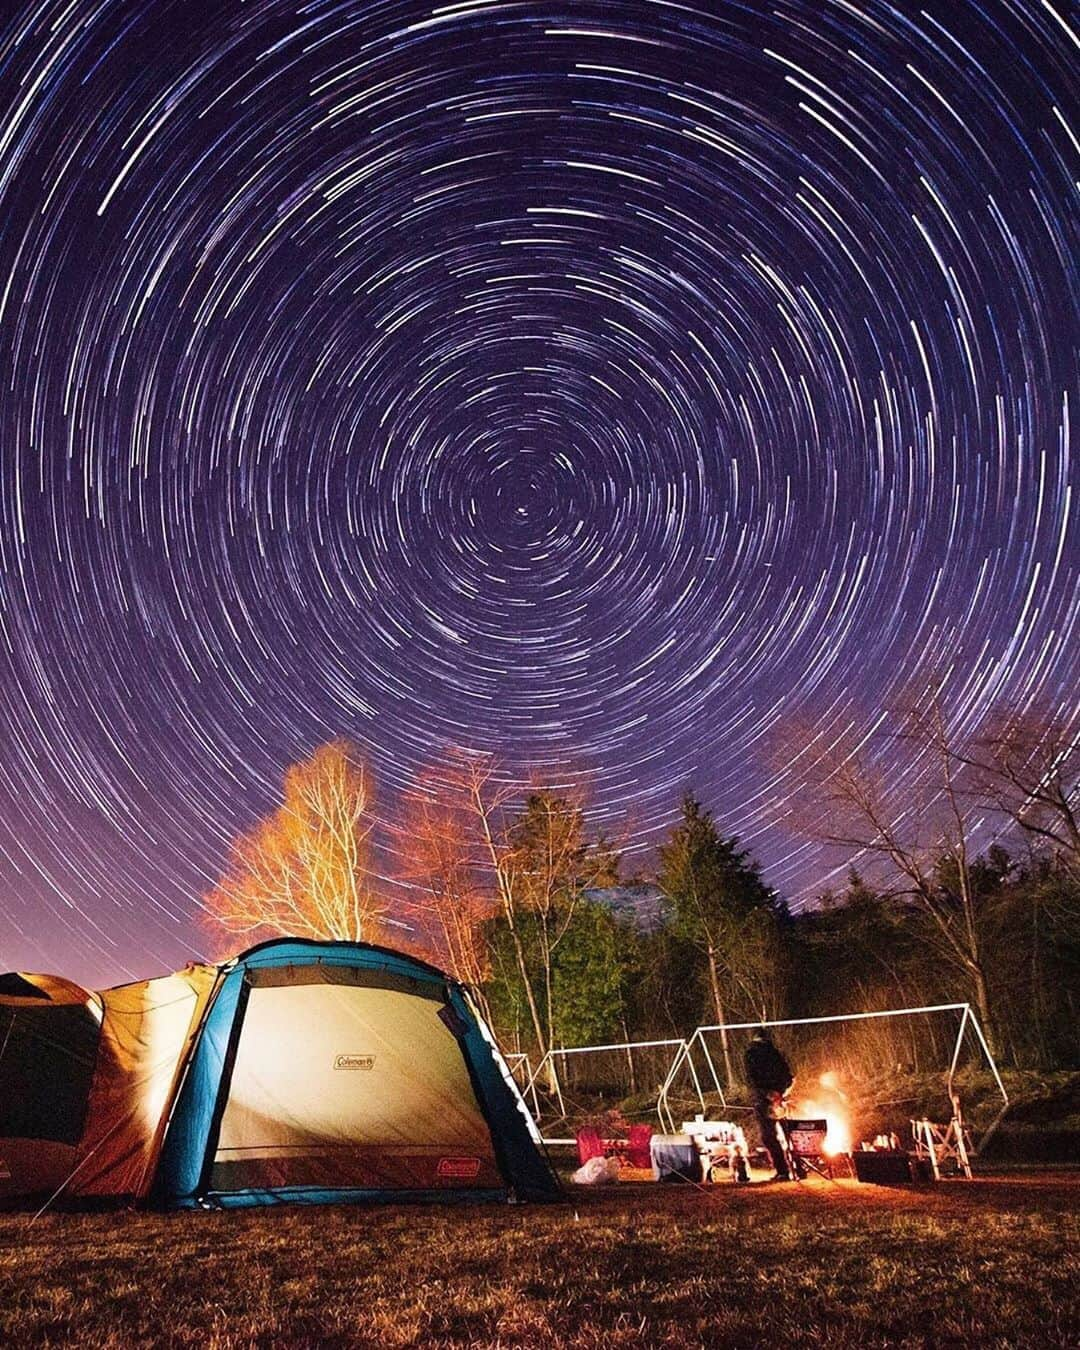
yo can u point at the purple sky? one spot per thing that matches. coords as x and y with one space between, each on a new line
594 384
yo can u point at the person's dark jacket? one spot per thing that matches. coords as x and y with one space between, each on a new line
766 1068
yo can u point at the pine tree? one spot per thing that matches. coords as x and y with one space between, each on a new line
719 904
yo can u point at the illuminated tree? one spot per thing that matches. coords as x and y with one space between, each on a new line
438 860
303 871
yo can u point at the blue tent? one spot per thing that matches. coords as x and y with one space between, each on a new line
327 1071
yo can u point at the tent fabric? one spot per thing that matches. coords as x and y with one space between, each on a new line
46 1070
299 1071
49 1034
344 1070
20 984
146 1031
380 1102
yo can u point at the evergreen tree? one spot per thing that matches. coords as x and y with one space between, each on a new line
719 904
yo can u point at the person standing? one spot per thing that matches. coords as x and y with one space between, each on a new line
769 1075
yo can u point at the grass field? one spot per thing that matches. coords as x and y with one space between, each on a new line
995 1262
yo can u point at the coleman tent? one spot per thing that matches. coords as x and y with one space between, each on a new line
300 1071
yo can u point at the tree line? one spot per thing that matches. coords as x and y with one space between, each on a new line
509 889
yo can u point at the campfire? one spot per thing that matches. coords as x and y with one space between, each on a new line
831 1106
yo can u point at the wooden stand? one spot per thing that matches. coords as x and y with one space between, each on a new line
938 1144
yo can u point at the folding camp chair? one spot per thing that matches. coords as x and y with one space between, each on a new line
637 1148
589 1144
631 1152
805 1140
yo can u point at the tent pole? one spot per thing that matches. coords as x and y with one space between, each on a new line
663 1109
184 1067
697 1083
984 1138
990 1059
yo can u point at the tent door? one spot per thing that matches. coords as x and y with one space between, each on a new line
341 1083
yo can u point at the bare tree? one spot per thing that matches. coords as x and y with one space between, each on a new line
475 850
1027 768
439 863
921 831
304 870
455 852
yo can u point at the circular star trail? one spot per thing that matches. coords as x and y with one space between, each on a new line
595 384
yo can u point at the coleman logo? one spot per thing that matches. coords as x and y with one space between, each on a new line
458 1169
354 1062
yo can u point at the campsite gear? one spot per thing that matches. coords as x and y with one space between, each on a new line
630 1152
883 1167
596 1171
589 1144
674 1157
637 1153
943 1146
299 1070
721 1147
805 1140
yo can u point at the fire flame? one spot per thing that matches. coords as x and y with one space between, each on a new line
837 1132
838 1125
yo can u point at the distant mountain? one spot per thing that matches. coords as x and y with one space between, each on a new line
641 902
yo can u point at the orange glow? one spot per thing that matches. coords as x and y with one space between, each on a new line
838 1131
838 1136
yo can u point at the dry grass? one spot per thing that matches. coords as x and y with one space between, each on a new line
993 1263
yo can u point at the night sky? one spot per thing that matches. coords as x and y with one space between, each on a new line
591 383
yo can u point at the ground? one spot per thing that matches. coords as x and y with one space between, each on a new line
994 1262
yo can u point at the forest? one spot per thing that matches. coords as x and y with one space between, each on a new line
962 885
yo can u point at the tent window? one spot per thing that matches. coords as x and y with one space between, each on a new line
46 1063
12 985
265 977
342 1086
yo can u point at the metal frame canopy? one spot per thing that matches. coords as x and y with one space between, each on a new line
549 1061
684 1057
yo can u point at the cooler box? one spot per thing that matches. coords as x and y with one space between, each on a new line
884 1168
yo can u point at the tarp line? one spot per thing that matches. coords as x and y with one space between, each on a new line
80 1165
7 1036
621 1045
625 1046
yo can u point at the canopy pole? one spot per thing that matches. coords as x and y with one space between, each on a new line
957 1047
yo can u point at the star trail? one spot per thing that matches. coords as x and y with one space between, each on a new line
591 383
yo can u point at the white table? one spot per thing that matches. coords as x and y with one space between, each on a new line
719 1143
